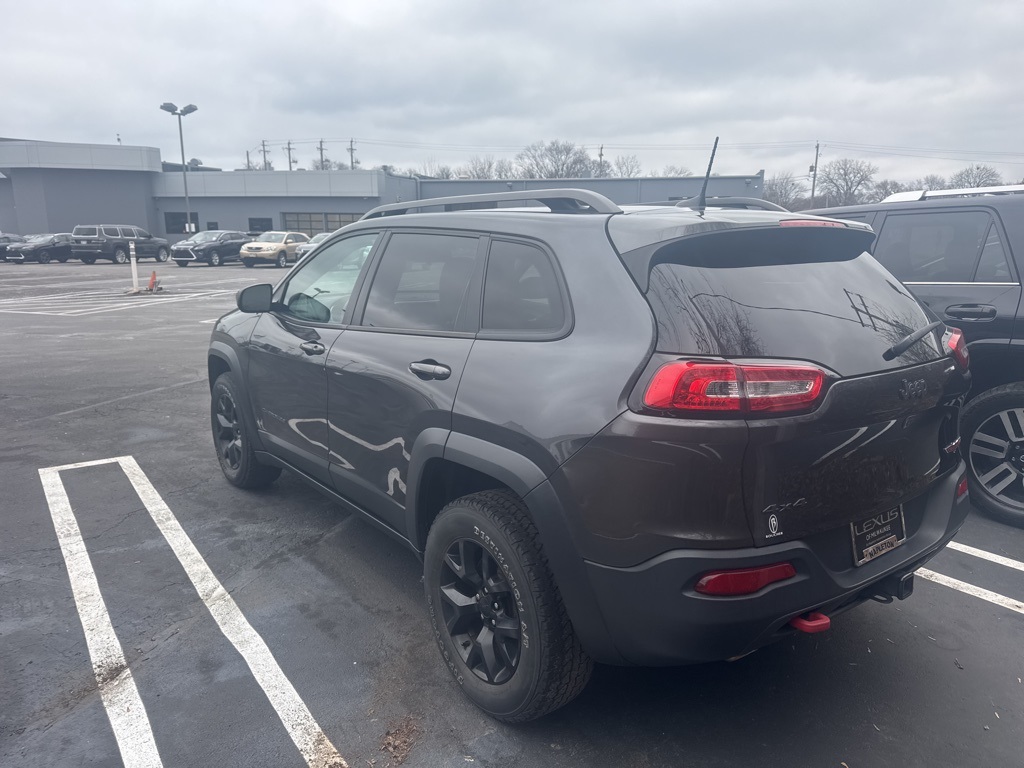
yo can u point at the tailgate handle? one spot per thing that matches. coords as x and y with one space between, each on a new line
972 311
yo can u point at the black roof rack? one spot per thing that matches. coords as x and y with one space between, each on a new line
558 200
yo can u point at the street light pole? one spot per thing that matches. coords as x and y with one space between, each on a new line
188 109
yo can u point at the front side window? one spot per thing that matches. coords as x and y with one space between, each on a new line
939 247
321 290
422 282
128 232
520 290
993 266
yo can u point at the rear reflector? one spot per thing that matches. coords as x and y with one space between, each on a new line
961 488
957 346
688 386
743 581
810 223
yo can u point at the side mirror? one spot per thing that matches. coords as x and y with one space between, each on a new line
255 298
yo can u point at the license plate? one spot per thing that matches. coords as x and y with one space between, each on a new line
876 535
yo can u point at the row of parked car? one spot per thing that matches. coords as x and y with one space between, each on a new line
90 243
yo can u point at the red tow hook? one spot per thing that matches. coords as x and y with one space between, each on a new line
811 623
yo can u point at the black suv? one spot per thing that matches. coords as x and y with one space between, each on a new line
111 241
651 435
214 247
43 248
961 252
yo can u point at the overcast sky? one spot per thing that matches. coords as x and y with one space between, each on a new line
921 86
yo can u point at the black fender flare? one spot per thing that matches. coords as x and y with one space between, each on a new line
530 483
229 355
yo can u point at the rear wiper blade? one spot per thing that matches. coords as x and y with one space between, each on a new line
907 342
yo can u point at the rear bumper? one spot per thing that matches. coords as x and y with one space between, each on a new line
654 617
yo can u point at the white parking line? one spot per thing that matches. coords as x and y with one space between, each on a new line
117 688
970 589
990 556
313 744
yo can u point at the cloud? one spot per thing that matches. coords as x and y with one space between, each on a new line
414 81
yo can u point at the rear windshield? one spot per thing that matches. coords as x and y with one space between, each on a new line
85 231
798 297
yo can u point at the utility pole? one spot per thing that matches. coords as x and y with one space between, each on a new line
814 171
600 160
248 165
288 149
323 166
351 154
264 144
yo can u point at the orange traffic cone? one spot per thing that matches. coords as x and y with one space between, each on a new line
152 281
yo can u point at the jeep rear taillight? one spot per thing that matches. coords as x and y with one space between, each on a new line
957 346
688 386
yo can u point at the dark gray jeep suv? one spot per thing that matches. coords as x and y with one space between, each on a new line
653 435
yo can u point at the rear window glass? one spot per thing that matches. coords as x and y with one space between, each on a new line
821 304
85 231
111 232
520 290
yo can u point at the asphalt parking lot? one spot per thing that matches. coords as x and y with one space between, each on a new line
273 629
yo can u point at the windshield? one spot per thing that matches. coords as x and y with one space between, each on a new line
271 237
203 237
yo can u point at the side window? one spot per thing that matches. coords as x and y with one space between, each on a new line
993 268
939 247
111 232
320 291
422 283
128 232
521 290
142 233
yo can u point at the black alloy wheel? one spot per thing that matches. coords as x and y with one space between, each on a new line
282 259
479 612
44 257
234 449
214 259
120 257
161 254
993 429
497 615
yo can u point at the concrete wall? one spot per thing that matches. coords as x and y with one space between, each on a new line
52 200
61 155
8 219
362 184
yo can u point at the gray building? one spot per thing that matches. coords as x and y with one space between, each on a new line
51 187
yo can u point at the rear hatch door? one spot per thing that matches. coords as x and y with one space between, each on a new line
885 429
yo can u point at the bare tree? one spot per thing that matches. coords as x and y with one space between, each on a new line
554 160
327 165
975 176
437 170
478 167
628 166
845 181
601 169
676 170
783 189
929 182
505 169
884 188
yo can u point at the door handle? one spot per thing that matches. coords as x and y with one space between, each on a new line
312 347
430 369
976 312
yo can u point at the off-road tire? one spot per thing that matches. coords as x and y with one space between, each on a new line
232 439
552 666
977 413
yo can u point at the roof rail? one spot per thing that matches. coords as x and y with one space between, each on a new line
929 194
734 202
558 200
